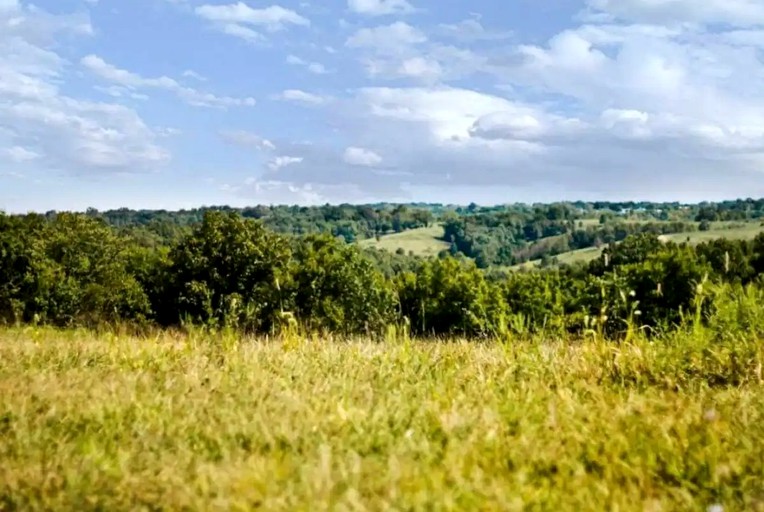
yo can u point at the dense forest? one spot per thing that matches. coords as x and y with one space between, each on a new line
348 222
265 269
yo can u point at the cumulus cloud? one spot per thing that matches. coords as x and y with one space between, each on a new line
735 12
280 162
19 154
247 139
302 97
472 30
361 157
632 98
380 7
314 67
275 191
241 20
402 51
66 132
387 38
190 73
131 81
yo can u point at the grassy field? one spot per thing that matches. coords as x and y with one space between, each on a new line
422 241
175 422
746 232
728 230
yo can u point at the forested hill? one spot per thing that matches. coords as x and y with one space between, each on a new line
492 236
350 222
359 222
246 268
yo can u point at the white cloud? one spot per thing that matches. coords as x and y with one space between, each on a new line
67 133
420 67
400 51
83 134
298 96
242 32
317 68
472 30
238 19
38 27
753 38
9 5
735 12
283 161
314 67
132 81
116 91
361 157
447 113
379 7
388 38
247 139
167 131
190 73
19 154
638 99
274 191
524 123
698 78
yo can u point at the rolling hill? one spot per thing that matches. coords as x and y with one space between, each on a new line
422 241
730 231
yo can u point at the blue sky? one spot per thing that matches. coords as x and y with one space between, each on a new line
182 103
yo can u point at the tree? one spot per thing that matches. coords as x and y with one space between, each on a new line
633 249
229 270
69 270
423 217
757 259
446 296
538 298
24 270
93 263
334 287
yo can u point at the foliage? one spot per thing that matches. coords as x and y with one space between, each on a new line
537 301
447 297
334 288
71 270
349 222
229 271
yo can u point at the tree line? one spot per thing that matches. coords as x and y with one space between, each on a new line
349 222
229 270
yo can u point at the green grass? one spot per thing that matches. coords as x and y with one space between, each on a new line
177 422
422 241
727 230
748 231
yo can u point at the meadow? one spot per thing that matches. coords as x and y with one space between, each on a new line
203 421
420 241
719 231
428 241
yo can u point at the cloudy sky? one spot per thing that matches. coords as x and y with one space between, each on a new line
182 103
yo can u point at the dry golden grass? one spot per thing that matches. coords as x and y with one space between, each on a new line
198 422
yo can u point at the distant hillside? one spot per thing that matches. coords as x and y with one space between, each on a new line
725 230
421 241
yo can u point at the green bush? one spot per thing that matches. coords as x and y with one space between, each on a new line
333 287
446 297
229 272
